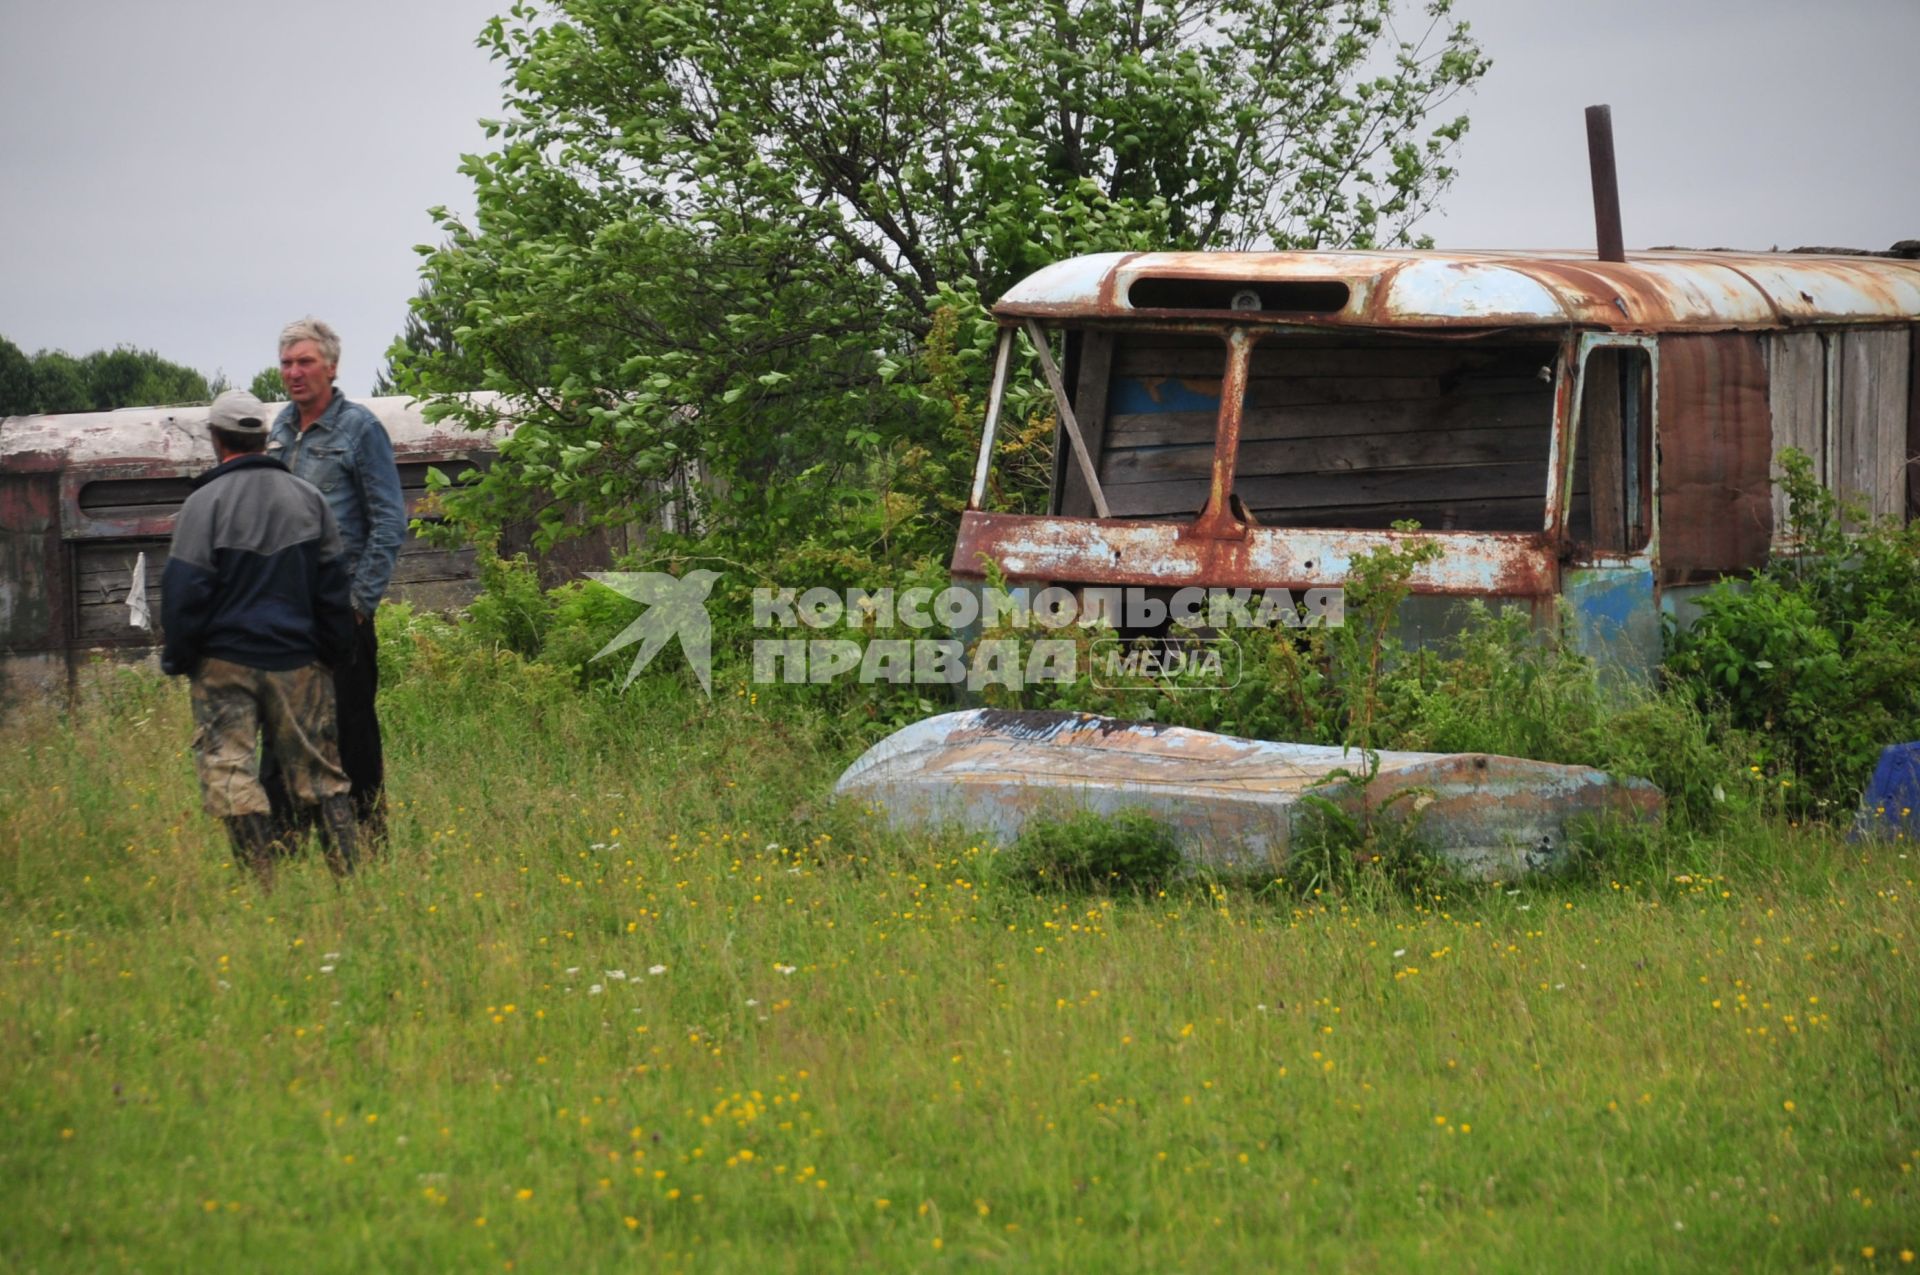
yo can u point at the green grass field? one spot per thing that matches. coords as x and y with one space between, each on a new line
628 994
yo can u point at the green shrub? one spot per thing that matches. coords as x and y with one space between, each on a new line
1818 656
1351 841
511 611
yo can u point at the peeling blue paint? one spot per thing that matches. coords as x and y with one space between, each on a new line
1142 395
1616 617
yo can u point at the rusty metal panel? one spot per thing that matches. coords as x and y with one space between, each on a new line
1808 288
1871 425
30 607
1230 803
1715 501
1128 552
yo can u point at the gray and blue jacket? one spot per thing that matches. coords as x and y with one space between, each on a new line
257 573
348 456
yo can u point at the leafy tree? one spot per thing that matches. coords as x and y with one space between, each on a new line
430 328
267 386
126 377
16 380
60 383
719 232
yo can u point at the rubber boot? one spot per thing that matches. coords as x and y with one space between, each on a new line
341 831
254 844
371 809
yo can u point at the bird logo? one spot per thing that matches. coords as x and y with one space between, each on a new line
676 607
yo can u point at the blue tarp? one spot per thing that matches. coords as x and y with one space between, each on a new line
1891 806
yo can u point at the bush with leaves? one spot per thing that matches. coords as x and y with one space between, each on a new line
1818 655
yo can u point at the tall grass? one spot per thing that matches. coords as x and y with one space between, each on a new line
630 993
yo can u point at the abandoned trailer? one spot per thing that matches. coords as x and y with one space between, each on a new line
87 504
1593 440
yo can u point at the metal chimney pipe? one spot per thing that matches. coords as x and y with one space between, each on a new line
1606 183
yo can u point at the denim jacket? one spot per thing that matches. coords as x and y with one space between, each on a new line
348 456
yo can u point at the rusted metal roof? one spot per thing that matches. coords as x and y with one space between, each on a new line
176 437
1650 291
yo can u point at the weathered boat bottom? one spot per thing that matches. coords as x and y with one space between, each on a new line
1232 804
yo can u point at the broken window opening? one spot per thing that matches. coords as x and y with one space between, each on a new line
1338 431
1611 508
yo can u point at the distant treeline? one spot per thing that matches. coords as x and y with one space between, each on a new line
55 381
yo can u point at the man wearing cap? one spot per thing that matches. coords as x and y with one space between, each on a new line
256 608
341 448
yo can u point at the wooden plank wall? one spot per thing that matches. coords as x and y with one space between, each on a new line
430 578
1873 416
1336 432
1797 398
1913 425
1854 429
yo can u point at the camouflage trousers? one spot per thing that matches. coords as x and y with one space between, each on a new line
231 703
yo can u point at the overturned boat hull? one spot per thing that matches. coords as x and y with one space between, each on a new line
1232 804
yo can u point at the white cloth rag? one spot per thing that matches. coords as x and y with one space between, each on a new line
137 613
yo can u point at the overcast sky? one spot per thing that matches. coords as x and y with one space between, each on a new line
188 177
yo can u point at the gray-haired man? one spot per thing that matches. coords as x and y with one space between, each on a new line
255 607
341 448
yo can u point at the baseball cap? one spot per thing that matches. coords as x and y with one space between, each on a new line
239 412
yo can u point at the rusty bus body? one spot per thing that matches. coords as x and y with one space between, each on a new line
1593 440
83 497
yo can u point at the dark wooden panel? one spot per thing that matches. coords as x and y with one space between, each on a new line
102 573
1352 360
1512 513
416 568
1340 429
1331 491
1913 425
1797 400
1872 424
1336 455
1298 390
1090 411
96 564
1333 420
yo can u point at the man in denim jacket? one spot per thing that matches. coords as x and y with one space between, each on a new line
341 448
